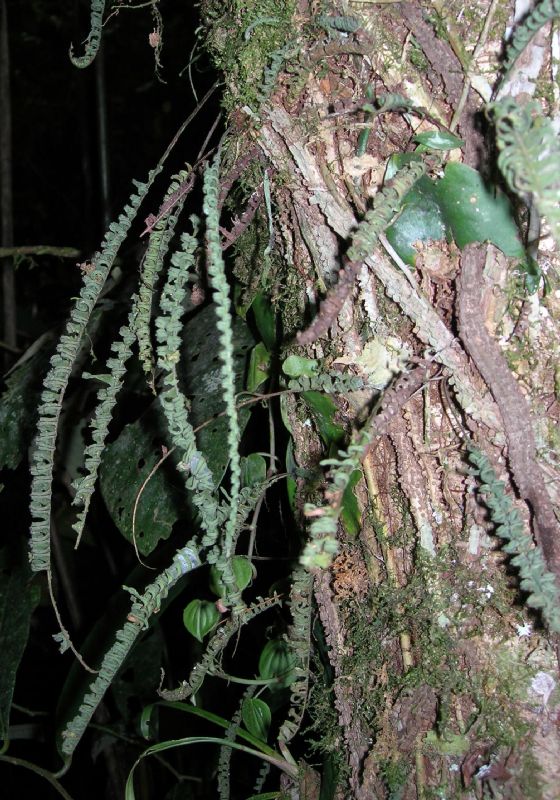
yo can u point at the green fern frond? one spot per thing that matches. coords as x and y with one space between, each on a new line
329 382
224 759
106 400
94 38
524 32
536 580
152 264
216 272
57 378
143 607
192 464
529 156
385 205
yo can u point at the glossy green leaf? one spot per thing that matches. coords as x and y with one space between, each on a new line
265 320
243 571
126 464
296 366
277 661
199 617
323 410
350 515
256 717
476 212
253 469
421 219
18 598
259 366
439 140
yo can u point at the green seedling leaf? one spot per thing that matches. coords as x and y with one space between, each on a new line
243 571
199 617
350 515
475 212
439 140
397 161
265 320
126 464
18 598
296 366
259 367
420 220
324 409
277 661
256 717
253 469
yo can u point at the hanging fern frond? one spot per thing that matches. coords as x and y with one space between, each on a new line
299 640
95 275
529 156
217 275
152 263
524 32
143 606
273 69
94 38
386 204
106 400
226 752
216 646
192 464
330 382
536 580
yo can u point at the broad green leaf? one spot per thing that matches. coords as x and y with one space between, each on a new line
259 366
277 661
296 366
18 598
253 469
243 571
476 212
199 617
324 409
439 140
265 320
127 462
420 220
256 717
350 515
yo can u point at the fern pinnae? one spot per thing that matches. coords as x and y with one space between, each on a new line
226 752
299 640
106 400
216 272
142 608
529 156
536 580
192 465
94 37
43 450
152 263
524 32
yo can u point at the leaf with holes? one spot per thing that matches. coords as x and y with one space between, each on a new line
256 717
199 617
126 464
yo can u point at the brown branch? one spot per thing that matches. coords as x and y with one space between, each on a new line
514 408
240 224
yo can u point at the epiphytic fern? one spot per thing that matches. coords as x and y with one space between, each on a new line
524 32
536 580
95 275
152 263
226 752
106 399
143 606
94 38
216 272
529 156
192 463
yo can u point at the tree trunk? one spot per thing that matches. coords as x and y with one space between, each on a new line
441 679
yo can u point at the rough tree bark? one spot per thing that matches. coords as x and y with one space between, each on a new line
442 683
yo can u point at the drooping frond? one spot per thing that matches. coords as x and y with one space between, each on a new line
143 606
524 32
529 156
95 275
94 37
